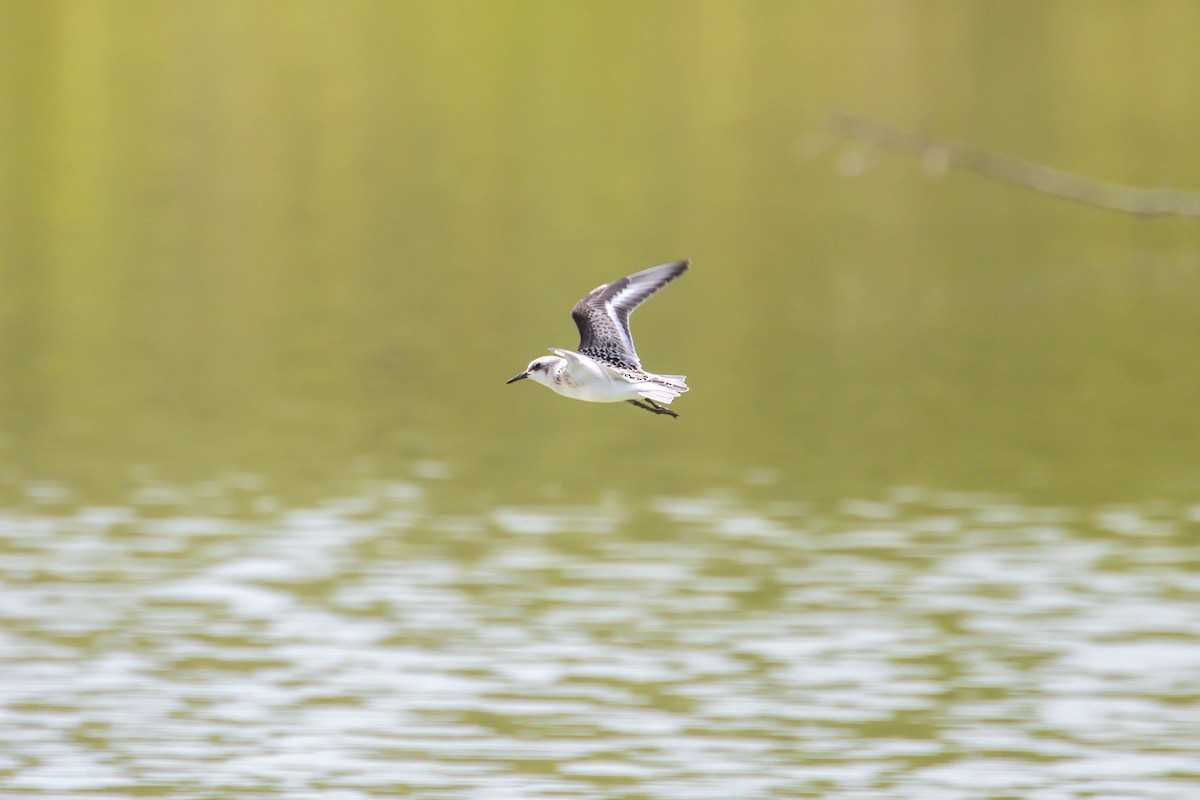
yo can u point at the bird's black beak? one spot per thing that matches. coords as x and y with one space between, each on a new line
516 378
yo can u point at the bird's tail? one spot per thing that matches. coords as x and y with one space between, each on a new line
662 388
675 382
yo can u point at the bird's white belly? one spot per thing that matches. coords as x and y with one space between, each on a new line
600 391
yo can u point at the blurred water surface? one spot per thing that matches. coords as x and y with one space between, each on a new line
271 522
204 642
239 237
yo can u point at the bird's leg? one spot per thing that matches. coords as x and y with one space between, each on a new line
662 409
653 408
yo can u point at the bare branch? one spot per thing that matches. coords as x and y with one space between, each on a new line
942 154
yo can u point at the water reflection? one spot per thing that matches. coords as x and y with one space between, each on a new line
231 239
919 644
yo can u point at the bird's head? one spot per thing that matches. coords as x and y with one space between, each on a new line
539 370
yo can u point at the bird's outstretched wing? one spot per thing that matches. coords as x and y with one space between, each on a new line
583 370
603 316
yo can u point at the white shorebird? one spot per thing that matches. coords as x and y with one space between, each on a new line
606 369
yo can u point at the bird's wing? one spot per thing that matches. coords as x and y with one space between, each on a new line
582 369
603 316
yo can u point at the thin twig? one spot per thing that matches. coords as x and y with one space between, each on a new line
941 154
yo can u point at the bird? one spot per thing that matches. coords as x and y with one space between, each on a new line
606 368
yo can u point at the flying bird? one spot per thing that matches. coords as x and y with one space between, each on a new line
606 368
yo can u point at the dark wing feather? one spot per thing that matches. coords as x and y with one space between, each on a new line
603 316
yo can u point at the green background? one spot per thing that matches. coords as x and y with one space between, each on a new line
297 239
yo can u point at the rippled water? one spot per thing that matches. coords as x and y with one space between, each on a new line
206 642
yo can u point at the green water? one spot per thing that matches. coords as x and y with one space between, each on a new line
243 238
270 520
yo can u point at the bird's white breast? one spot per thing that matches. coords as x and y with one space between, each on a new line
598 387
